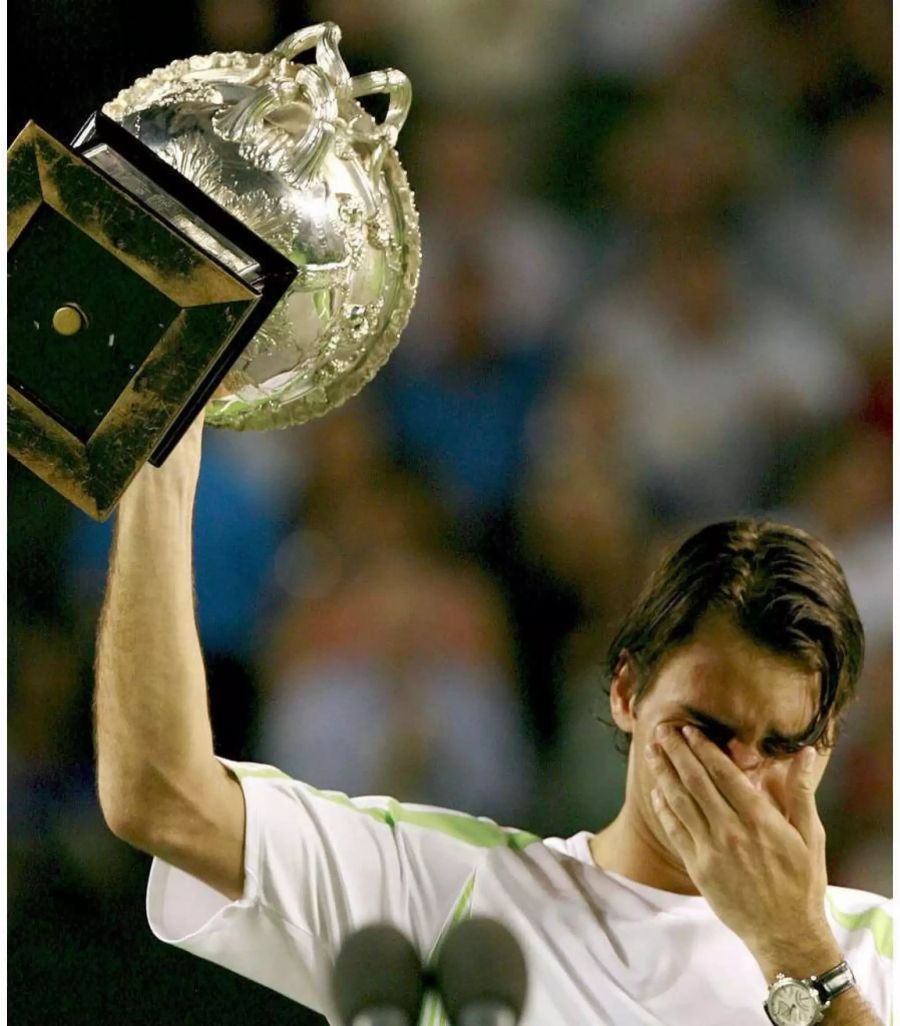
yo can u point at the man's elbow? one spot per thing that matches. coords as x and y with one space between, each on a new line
130 817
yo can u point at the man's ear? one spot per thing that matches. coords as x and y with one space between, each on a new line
622 691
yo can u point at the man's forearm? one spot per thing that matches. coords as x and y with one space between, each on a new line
851 1009
152 719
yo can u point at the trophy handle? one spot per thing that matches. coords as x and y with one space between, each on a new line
263 142
325 38
398 88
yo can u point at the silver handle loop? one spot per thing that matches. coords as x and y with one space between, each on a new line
271 147
326 38
398 88
325 85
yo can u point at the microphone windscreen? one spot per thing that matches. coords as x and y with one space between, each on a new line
378 968
481 961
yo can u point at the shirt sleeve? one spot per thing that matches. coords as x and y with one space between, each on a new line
317 867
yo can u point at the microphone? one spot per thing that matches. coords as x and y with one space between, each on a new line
481 974
378 979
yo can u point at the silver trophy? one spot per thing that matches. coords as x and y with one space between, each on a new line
288 150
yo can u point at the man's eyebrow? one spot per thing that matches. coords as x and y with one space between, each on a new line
705 719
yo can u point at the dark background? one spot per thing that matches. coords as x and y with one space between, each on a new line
655 292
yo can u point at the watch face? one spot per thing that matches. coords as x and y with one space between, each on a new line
793 1004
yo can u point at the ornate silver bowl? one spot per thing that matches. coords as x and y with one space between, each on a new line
287 148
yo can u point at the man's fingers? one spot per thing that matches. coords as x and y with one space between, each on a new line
694 775
674 828
729 781
801 797
678 796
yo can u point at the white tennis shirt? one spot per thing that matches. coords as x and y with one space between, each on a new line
601 949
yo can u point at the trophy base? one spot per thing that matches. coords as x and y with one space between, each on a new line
131 296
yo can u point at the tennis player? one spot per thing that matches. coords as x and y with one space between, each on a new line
704 903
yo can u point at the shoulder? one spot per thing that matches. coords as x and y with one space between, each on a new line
452 824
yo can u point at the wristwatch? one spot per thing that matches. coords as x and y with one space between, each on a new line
803 1002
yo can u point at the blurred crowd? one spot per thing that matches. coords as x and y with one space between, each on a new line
656 291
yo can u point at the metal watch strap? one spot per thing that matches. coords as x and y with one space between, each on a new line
834 982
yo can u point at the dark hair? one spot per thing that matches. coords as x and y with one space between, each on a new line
780 586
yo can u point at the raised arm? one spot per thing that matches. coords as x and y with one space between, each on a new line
161 788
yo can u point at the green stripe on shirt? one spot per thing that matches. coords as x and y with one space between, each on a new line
243 770
874 919
433 1013
480 833
460 911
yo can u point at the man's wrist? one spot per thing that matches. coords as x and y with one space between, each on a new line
800 957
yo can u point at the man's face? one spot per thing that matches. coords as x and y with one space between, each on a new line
744 698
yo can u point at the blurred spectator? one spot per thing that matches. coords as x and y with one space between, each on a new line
52 809
475 211
829 240
348 456
580 526
684 163
393 675
368 41
584 523
820 62
715 373
247 25
878 405
640 40
584 783
508 53
478 386
856 800
273 465
846 501
498 280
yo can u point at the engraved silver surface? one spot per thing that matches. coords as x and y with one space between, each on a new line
287 148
